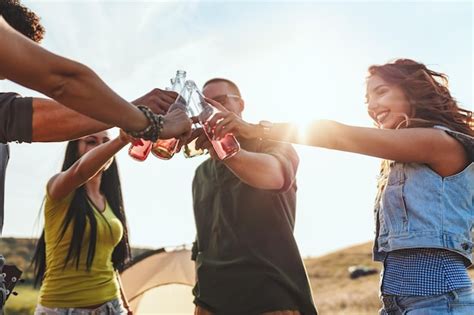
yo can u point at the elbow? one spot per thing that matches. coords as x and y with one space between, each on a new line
79 173
284 185
276 183
59 88
67 82
279 183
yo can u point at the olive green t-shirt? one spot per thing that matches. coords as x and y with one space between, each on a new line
247 259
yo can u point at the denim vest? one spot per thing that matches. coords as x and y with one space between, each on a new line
420 209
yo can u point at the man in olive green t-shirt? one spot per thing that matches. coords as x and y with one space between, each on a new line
247 260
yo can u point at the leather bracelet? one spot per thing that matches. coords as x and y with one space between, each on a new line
153 131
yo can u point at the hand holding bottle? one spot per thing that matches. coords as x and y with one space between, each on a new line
165 148
202 142
226 147
226 122
159 101
176 125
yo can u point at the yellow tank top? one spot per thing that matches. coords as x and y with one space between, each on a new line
71 287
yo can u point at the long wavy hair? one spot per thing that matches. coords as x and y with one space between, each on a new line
428 94
80 214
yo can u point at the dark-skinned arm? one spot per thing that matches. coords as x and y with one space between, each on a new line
54 122
68 82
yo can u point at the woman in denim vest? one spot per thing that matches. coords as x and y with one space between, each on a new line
424 207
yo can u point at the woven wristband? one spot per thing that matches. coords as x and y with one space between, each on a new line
153 131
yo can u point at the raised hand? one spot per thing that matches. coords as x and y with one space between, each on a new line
229 122
177 125
159 101
203 142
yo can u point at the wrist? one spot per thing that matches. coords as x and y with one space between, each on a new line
154 128
117 144
122 141
250 131
164 128
138 121
264 129
231 160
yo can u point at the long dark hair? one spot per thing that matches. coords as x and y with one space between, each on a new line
427 92
80 213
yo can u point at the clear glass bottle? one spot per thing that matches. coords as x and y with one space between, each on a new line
166 148
225 147
193 110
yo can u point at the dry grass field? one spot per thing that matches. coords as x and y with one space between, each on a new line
333 290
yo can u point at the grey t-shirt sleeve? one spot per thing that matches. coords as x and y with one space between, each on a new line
16 118
4 156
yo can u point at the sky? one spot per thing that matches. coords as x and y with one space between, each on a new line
293 61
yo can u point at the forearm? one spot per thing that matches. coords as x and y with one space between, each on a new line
83 91
54 122
321 133
70 83
258 170
88 165
420 145
95 160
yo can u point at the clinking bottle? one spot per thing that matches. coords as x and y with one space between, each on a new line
166 148
193 110
225 147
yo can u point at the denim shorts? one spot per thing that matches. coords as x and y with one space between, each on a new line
457 302
113 307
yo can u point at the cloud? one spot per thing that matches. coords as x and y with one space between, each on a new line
292 60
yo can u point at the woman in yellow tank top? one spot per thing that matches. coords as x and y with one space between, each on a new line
85 240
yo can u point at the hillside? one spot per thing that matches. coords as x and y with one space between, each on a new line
333 290
19 251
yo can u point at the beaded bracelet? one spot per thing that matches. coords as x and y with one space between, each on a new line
154 129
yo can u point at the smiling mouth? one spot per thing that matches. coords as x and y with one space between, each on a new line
380 118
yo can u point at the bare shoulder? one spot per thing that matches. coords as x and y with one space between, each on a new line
452 157
50 187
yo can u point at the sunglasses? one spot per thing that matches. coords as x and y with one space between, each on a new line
222 99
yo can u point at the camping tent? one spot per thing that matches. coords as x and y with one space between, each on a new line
160 282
